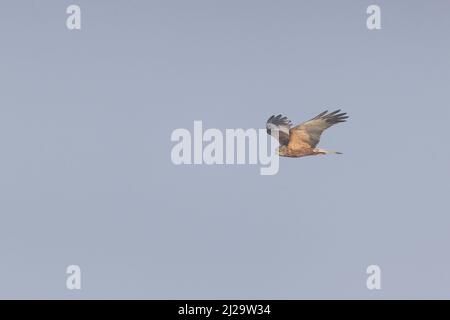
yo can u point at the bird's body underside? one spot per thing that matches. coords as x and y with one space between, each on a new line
297 153
301 140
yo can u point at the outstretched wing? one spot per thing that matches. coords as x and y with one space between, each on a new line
278 127
309 132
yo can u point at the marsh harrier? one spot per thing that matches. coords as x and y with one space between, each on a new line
301 140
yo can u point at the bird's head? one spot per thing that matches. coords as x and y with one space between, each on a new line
282 151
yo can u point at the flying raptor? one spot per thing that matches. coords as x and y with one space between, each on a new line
301 140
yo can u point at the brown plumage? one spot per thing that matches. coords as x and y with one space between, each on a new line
301 140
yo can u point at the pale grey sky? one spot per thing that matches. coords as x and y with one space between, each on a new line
85 170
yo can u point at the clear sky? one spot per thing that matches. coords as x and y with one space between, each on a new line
86 176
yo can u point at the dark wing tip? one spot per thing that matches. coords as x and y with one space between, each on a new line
335 117
279 120
320 115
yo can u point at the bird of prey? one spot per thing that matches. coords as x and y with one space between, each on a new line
301 140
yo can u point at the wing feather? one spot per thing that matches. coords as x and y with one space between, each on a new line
278 127
309 132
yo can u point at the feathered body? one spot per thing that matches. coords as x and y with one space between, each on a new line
301 140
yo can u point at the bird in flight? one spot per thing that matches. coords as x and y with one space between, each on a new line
301 140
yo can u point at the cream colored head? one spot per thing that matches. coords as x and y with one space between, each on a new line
282 151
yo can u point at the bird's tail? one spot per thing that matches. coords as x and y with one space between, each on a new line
323 151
